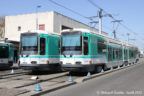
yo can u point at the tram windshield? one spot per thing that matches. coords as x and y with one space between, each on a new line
29 44
71 43
4 52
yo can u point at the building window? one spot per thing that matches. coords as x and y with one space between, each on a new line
42 27
65 27
19 28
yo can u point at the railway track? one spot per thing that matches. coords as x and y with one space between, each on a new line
23 81
15 74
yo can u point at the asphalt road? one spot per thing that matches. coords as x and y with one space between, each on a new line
126 82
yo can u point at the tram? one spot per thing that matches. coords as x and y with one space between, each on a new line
39 50
6 55
86 51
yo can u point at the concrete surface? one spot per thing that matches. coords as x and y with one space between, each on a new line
129 82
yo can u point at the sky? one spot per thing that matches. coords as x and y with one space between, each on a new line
129 11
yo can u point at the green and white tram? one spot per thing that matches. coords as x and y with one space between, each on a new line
6 55
82 50
39 50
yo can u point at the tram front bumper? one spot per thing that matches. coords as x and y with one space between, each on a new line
4 65
41 67
77 67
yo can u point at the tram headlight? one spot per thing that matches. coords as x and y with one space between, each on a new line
61 62
90 62
47 62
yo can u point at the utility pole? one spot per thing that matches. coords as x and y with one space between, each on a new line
100 20
128 37
123 51
37 16
115 28
100 15
114 32
128 44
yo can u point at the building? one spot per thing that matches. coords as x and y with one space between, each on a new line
48 21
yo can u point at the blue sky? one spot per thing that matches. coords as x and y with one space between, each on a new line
130 11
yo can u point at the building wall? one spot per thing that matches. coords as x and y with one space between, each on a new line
60 20
52 21
27 22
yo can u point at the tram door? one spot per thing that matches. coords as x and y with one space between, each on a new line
42 50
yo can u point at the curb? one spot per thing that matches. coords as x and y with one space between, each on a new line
83 79
15 73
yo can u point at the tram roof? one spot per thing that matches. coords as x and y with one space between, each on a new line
111 40
40 32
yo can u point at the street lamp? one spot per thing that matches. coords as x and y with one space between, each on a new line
39 6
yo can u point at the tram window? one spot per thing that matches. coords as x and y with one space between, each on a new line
120 53
109 54
86 46
59 47
42 46
116 54
131 54
113 53
125 53
101 46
